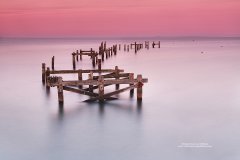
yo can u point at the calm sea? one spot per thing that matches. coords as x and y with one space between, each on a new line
190 108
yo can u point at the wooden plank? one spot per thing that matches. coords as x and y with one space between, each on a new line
112 75
106 82
80 91
95 87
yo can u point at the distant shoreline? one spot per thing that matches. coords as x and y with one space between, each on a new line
123 38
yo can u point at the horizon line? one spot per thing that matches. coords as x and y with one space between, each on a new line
114 37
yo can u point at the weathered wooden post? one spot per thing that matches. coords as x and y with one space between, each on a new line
117 76
90 77
99 64
93 57
80 77
102 55
139 87
128 48
131 77
101 88
43 72
153 44
119 47
47 75
105 46
80 54
53 63
124 47
73 60
111 51
77 55
159 44
60 90
136 47
106 54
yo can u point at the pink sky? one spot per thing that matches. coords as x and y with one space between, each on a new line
73 18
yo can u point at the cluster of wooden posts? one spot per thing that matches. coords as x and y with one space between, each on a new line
97 78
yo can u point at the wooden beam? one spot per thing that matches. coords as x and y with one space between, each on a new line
106 82
80 91
95 87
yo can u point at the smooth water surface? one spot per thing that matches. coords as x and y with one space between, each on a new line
192 99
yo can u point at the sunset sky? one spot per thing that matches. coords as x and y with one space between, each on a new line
76 18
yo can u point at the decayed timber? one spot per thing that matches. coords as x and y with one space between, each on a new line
80 91
95 82
105 77
101 83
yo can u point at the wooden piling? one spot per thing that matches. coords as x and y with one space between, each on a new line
90 77
53 63
43 72
119 47
99 64
80 77
139 87
117 76
102 55
93 60
101 89
73 61
77 55
60 90
47 75
131 77
80 54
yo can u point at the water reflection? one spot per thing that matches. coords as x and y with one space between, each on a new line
139 106
60 111
47 92
101 106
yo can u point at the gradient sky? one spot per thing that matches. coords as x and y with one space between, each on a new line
73 18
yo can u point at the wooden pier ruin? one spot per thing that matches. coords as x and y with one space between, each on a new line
99 78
